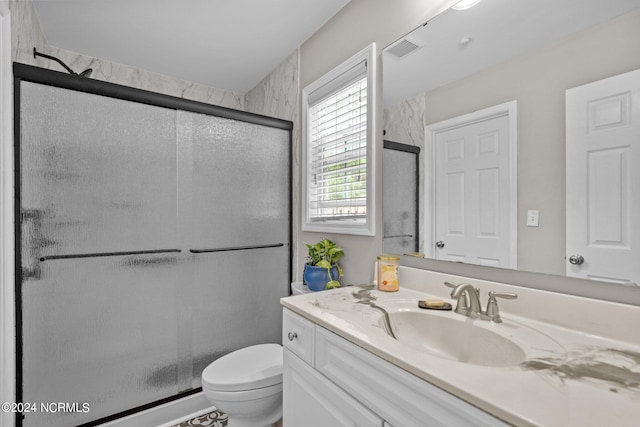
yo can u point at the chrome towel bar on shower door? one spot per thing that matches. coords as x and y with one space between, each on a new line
235 248
103 254
156 251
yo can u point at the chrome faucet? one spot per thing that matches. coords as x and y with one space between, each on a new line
470 306
469 301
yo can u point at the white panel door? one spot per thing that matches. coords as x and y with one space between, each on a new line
473 193
603 179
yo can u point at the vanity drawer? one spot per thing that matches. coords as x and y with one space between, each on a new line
399 397
298 335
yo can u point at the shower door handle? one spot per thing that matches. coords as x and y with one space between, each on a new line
235 248
106 254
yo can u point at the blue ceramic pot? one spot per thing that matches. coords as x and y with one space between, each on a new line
316 278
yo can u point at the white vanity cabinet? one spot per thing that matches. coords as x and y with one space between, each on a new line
310 399
331 381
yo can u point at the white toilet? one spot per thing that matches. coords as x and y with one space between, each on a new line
247 385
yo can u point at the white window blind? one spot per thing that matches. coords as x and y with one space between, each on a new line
338 149
337 144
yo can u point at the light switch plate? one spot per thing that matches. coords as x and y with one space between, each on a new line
533 218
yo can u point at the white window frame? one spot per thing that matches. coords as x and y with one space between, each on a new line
324 87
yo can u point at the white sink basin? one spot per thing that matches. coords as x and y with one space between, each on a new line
455 337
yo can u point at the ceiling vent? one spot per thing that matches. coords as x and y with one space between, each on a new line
403 48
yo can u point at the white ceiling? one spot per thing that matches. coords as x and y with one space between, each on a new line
227 44
499 30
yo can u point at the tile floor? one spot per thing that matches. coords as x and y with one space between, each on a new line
212 419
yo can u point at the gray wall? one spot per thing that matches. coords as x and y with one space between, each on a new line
358 24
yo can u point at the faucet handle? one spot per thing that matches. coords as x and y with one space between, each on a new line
493 312
505 295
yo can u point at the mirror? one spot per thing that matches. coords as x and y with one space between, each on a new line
527 51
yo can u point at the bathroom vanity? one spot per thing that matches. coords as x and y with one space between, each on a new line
357 356
331 381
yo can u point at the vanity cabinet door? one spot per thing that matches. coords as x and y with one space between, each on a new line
298 335
311 400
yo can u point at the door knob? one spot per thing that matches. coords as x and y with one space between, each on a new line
576 259
439 244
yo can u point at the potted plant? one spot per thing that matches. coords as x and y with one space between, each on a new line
321 270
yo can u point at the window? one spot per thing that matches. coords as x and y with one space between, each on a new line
338 148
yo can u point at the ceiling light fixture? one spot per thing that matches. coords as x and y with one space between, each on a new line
465 4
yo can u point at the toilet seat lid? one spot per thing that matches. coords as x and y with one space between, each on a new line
249 368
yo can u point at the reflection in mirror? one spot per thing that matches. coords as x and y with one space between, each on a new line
400 201
532 53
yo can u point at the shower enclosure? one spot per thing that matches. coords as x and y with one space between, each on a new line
153 237
400 198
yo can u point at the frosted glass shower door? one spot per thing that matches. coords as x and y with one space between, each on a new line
237 202
239 184
152 241
99 319
400 198
100 172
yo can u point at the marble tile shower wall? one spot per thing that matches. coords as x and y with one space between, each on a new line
404 122
277 94
27 34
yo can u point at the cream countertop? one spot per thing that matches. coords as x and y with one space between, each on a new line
579 379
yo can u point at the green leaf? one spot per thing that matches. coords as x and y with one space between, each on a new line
324 264
332 284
